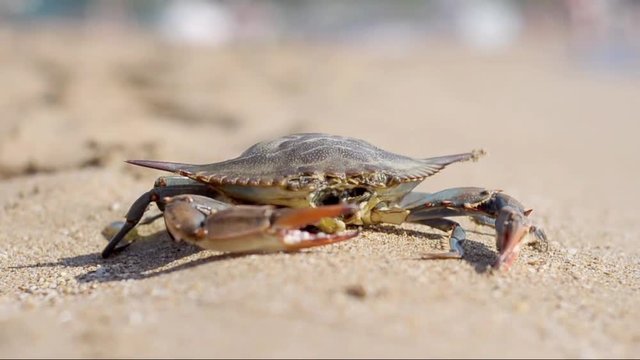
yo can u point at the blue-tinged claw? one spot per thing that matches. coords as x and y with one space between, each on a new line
512 226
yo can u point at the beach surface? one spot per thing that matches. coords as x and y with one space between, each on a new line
562 140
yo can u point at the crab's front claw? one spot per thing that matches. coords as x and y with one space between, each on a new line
250 228
512 227
292 226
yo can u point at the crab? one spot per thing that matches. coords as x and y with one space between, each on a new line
304 190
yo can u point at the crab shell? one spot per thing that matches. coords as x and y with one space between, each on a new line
308 170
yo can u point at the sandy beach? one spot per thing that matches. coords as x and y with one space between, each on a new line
562 140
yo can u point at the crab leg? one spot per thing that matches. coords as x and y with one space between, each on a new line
511 222
456 238
243 228
139 206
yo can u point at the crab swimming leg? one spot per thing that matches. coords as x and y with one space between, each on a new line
511 221
167 186
248 228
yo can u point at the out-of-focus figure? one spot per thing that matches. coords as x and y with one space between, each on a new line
605 34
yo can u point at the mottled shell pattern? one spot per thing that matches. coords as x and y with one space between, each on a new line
305 161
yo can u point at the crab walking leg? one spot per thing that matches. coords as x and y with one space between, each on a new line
456 238
511 222
489 221
139 206
249 229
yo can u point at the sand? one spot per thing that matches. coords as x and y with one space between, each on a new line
561 139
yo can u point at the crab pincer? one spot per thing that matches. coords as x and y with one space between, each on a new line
486 207
512 227
250 228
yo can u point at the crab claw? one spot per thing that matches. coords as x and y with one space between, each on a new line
289 224
512 226
250 228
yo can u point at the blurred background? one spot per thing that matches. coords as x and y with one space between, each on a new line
601 33
92 82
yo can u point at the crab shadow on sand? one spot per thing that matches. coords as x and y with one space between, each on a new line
152 255
147 257
476 254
